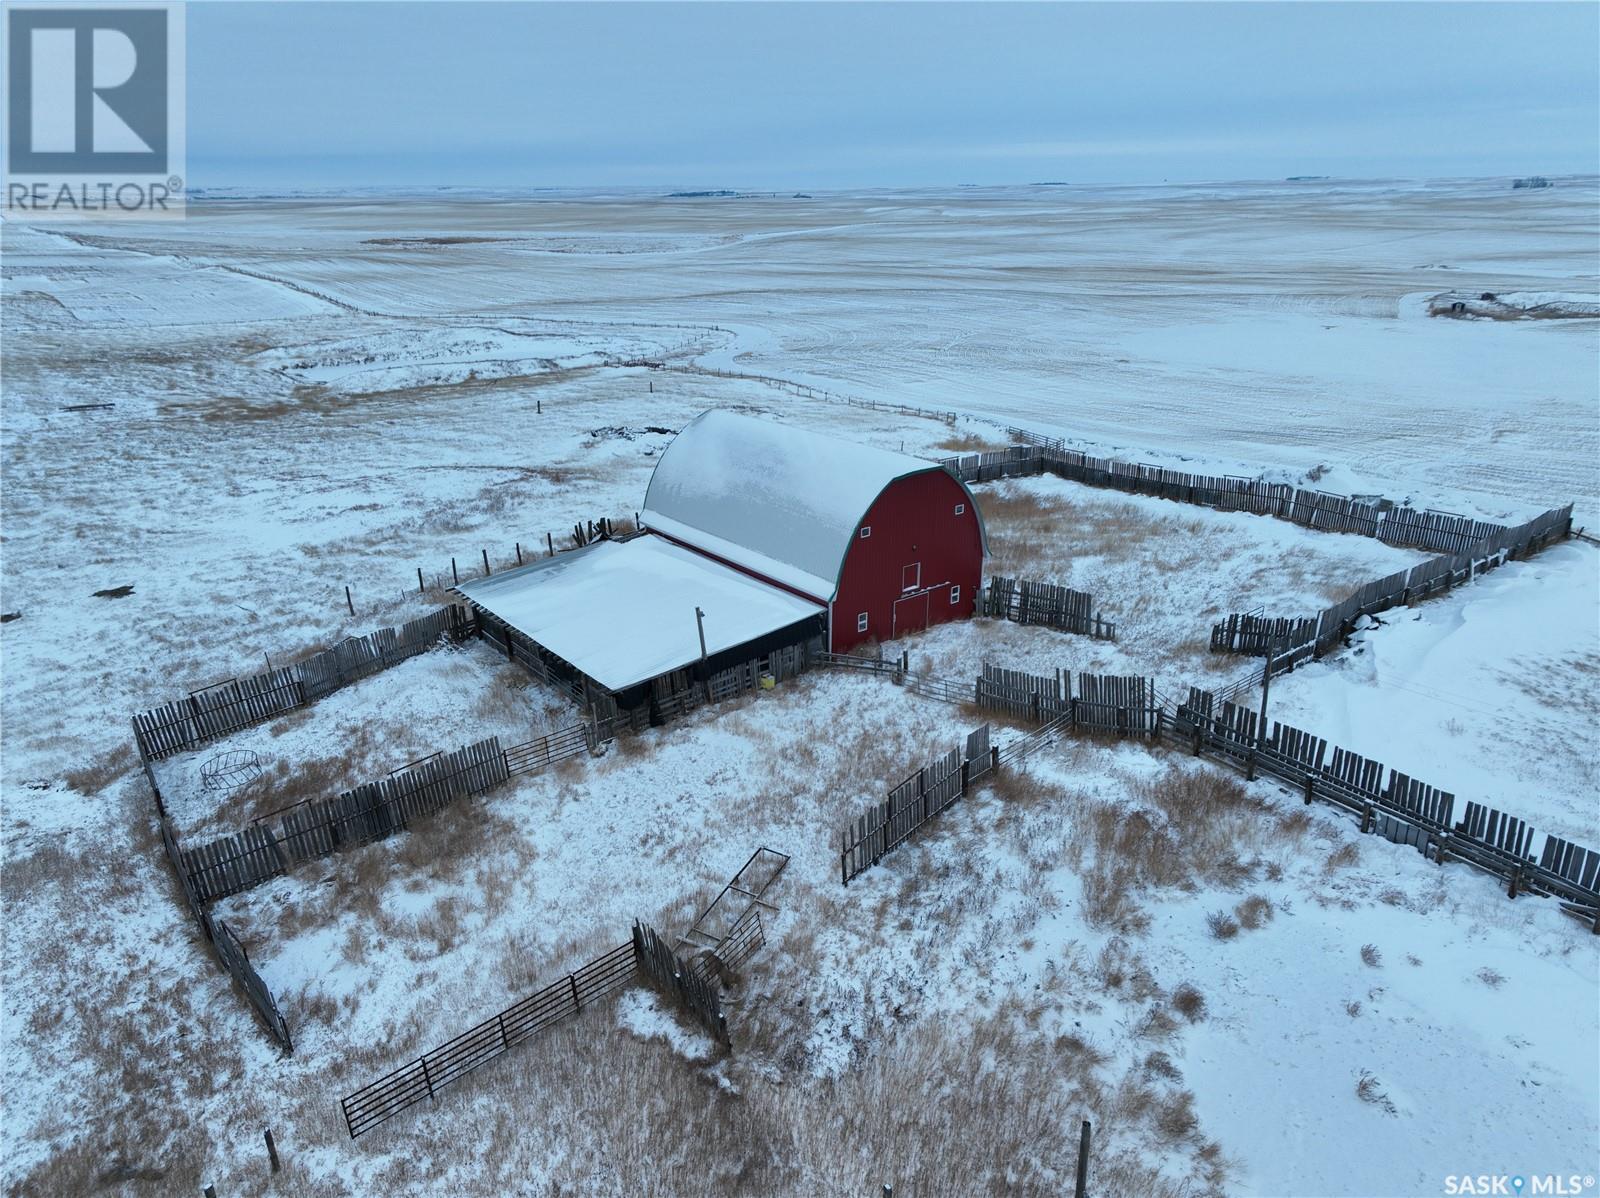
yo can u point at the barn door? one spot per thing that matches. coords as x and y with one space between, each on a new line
910 614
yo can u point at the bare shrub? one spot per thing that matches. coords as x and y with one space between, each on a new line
1352 1008
1189 1003
1371 956
1492 978
1223 926
1369 1089
1254 911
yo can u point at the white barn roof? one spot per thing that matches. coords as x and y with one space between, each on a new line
623 611
772 498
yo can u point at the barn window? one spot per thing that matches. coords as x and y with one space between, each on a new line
866 531
861 622
961 509
955 596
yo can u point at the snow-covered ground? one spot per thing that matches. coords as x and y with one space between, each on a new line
310 395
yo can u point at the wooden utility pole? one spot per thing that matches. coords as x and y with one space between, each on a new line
700 623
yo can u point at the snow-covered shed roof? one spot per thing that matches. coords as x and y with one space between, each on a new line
769 497
623 611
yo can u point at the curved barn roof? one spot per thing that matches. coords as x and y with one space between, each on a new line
775 499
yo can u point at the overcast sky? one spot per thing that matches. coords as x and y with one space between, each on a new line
812 95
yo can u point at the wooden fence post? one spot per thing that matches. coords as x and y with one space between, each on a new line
272 1151
454 573
349 602
1311 788
1081 1186
486 570
421 589
519 553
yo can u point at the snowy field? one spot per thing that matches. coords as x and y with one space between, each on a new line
309 395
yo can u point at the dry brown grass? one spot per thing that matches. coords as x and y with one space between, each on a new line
1343 857
970 443
94 777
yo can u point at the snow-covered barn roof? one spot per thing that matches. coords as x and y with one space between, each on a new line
623 611
769 497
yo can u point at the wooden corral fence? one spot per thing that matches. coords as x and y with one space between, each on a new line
1297 639
1110 703
1256 636
1439 532
225 946
428 1074
898 670
1394 805
697 994
319 827
237 962
926 793
644 958
371 811
239 703
1025 602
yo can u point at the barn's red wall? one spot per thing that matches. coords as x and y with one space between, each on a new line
913 520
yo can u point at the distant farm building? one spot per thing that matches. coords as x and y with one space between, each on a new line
778 536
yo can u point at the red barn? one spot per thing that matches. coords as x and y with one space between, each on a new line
890 544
